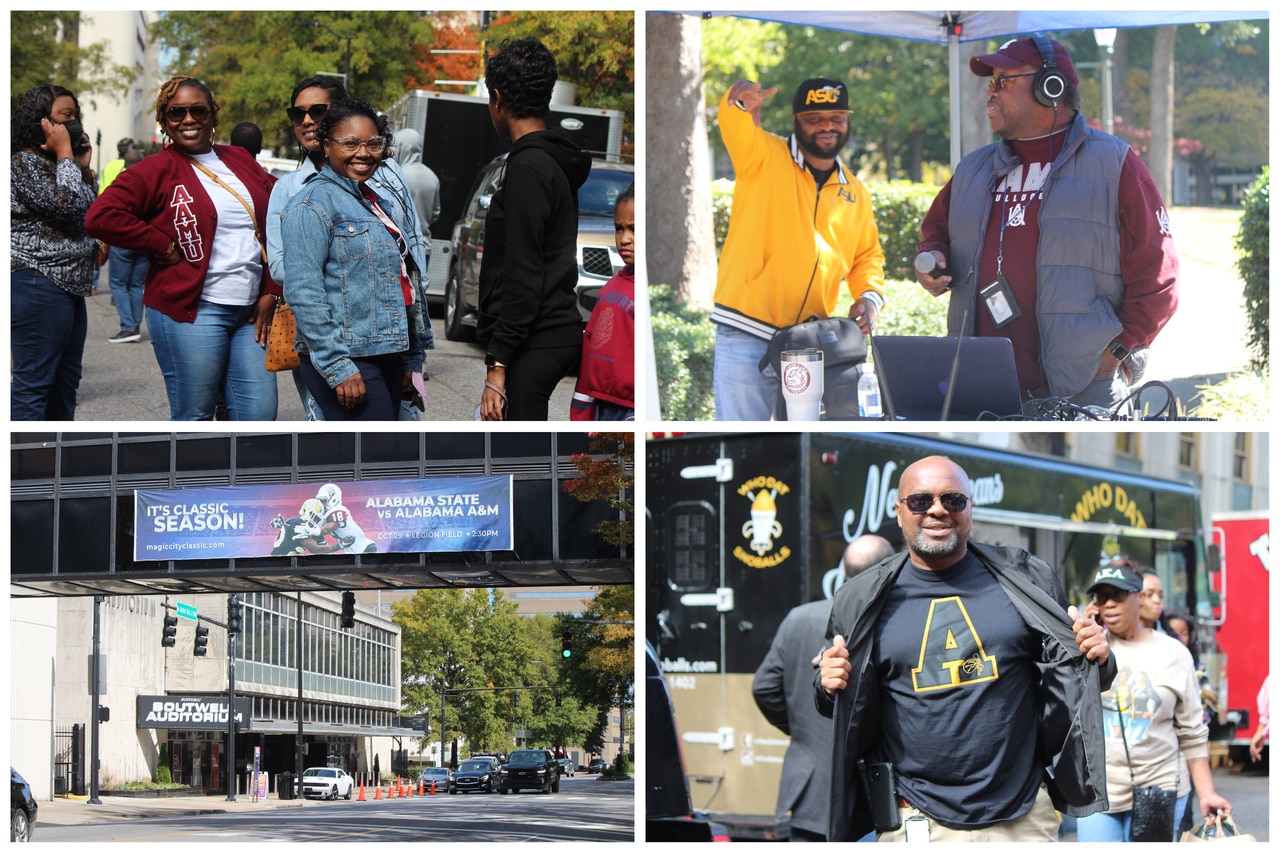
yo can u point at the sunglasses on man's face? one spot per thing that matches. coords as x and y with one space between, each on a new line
923 502
316 111
199 113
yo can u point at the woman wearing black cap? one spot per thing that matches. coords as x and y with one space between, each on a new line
1156 734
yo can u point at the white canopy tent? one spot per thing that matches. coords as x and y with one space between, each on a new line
952 28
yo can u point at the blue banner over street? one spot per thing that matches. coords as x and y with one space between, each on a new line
301 519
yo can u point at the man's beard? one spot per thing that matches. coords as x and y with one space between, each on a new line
810 146
934 548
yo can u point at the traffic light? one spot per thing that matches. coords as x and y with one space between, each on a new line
202 640
566 645
557 698
517 698
170 630
348 609
235 614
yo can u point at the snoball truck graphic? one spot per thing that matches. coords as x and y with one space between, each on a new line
763 527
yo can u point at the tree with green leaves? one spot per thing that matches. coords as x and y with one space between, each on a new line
252 59
594 50
44 47
608 475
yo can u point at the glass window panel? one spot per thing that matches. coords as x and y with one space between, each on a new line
203 454
398 447
510 444
264 451
86 460
533 500
452 446
32 464
32 553
84 535
146 457
327 449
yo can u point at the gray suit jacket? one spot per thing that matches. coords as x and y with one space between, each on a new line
783 690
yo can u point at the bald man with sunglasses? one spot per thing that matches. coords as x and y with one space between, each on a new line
961 666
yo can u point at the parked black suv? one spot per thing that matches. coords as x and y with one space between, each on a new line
530 768
22 808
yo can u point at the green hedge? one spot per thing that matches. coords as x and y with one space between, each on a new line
684 343
1253 241
899 207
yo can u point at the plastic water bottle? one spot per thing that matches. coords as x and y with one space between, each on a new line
868 393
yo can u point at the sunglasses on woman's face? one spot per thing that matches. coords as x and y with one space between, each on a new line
199 113
316 111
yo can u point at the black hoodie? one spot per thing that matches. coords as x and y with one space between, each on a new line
529 274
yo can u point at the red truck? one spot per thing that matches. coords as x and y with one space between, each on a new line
1239 573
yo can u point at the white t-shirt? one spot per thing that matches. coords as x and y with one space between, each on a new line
1157 696
235 261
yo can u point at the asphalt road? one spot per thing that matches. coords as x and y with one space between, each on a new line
585 810
122 382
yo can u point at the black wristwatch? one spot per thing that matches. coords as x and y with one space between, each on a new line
490 360
1119 350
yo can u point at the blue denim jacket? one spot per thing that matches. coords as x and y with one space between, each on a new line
344 275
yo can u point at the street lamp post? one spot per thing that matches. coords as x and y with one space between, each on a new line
1106 39
346 77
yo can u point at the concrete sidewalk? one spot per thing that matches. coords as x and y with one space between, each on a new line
74 811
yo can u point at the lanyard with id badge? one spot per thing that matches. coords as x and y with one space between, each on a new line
998 295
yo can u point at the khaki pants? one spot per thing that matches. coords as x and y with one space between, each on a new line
1038 824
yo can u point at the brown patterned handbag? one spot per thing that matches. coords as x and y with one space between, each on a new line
281 354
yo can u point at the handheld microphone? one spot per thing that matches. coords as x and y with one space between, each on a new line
926 263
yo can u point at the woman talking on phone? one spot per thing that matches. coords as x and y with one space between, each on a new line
52 257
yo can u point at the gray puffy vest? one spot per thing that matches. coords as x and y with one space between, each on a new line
1078 283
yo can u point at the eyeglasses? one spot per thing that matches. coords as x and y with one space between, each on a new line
951 502
316 111
1106 594
351 144
199 113
997 83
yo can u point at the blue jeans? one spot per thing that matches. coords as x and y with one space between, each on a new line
1101 826
742 392
47 328
215 353
127 272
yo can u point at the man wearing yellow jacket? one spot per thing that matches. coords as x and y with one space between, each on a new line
801 224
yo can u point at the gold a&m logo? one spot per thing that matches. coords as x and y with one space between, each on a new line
763 528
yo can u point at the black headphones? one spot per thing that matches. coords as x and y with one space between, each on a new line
1049 85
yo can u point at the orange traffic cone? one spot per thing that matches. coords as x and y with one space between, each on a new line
392 786
433 787
360 799
377 792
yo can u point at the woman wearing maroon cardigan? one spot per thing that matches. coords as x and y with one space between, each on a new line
198 210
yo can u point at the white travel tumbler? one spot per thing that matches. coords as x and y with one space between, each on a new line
802 384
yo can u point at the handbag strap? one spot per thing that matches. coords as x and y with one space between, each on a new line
1177 773
252 216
